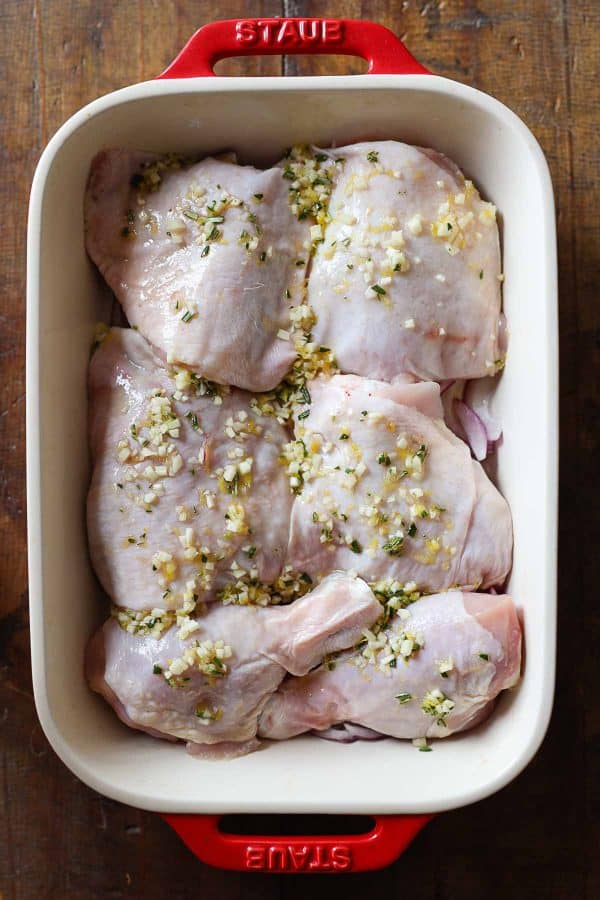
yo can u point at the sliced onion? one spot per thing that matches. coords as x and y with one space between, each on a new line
348 733
477 395
229 156
444 385
336 733
454 391
502 334
223 750
474 429
361 733
404 378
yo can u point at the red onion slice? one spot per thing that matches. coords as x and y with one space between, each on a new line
502 334
224 750
348 733
335 733
444 385
453 390
361 733
477 396
477 437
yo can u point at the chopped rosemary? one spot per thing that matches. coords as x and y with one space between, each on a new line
422 452
305 394
393 546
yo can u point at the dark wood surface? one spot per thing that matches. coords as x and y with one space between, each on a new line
537 838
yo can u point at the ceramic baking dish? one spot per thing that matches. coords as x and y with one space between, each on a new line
190 111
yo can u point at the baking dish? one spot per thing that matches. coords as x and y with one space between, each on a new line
185 110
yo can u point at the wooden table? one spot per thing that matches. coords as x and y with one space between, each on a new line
537 838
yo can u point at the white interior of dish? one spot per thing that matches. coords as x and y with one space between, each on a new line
258 118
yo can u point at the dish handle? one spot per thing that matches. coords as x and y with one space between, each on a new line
312 854
391 835
385 53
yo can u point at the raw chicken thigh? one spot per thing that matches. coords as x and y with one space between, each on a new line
274 539
211 685
432 671
206 260
188 495
384 488
407 276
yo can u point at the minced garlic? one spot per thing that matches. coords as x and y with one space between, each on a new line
310 184
207 657
435 703
247 590
236 519
144 622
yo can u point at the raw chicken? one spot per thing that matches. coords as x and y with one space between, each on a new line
384 488
211 686
204 516
206 260
407 276
188 495
432 671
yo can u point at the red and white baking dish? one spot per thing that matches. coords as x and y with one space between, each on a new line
189 110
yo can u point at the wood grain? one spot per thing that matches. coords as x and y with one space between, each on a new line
539 837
